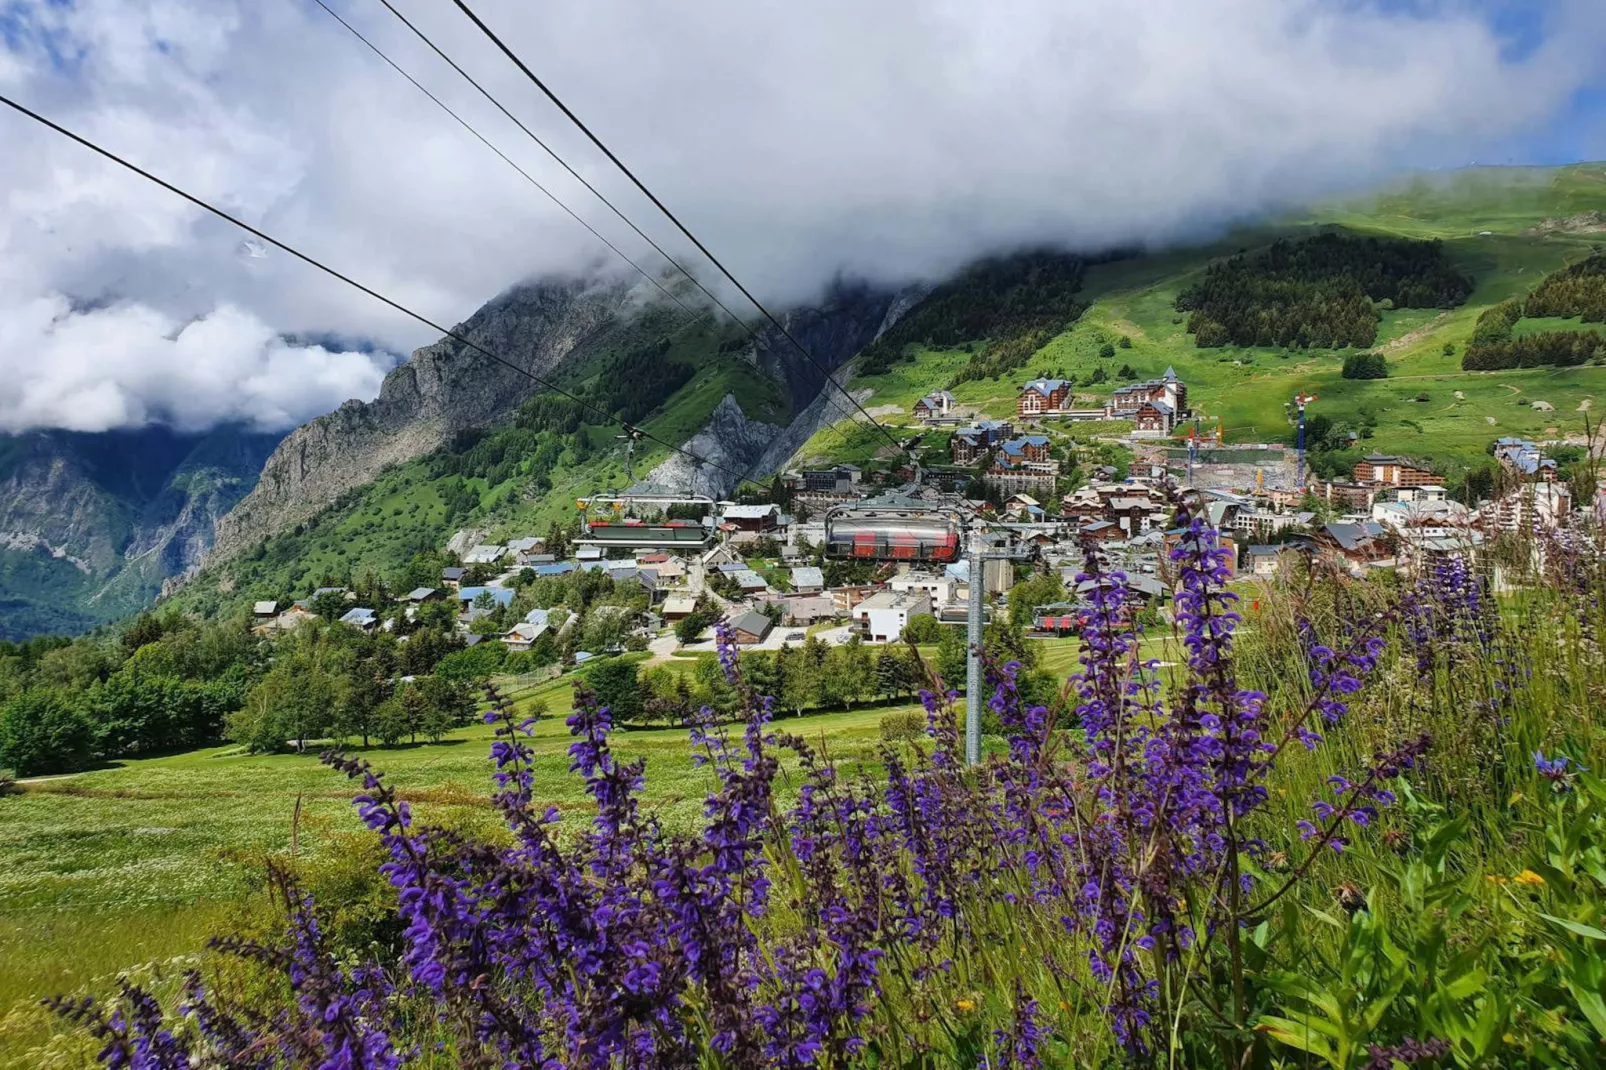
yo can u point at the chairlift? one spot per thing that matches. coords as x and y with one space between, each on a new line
893 528
645 521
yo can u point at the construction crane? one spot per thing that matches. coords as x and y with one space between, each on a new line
1301 400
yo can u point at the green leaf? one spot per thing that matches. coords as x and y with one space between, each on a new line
1306 990
1299 1036
1590 1003
1439 843
1577 927
1466 984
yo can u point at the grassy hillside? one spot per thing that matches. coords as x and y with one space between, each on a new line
1505 228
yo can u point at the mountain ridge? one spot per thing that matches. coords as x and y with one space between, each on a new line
91 526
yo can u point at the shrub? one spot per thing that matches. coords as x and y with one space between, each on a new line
922 628
902 726
40 733
690 627
1365 366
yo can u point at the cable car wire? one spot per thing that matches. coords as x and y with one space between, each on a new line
694 317
607 417
712 259
695 281
505 158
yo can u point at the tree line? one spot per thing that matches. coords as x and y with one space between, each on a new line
1320 293
1576 290
171 683
811 677
1495 346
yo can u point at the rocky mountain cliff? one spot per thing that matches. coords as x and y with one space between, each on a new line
91 525
848 318
448 387
444 388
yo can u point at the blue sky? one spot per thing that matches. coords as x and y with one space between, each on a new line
1577 132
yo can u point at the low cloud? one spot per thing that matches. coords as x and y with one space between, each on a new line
890 140
128 365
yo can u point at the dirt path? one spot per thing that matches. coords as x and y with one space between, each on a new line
1416 335
24 781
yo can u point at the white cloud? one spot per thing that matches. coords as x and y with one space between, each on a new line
128 365
893 139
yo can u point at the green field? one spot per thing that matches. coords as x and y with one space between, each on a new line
133 867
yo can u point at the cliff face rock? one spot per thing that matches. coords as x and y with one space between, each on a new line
48 502
826 404
444 388
847 319
729 440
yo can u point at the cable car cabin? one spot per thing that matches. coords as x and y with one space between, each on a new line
905 531
647 522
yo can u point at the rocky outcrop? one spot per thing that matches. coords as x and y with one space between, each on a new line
848 318
829 404
443 389
729 442
49 502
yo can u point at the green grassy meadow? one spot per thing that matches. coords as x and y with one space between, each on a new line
133 867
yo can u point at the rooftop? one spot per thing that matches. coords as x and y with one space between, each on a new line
1352 536
750 512
503 596
1044 386
891 600
752 622
808 576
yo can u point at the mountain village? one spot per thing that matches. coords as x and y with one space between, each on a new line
1032 487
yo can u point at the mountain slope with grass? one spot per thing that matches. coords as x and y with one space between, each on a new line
456 442
1503 230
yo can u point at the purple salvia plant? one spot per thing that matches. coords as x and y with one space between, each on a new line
769 935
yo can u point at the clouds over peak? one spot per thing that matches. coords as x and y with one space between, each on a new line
892 140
